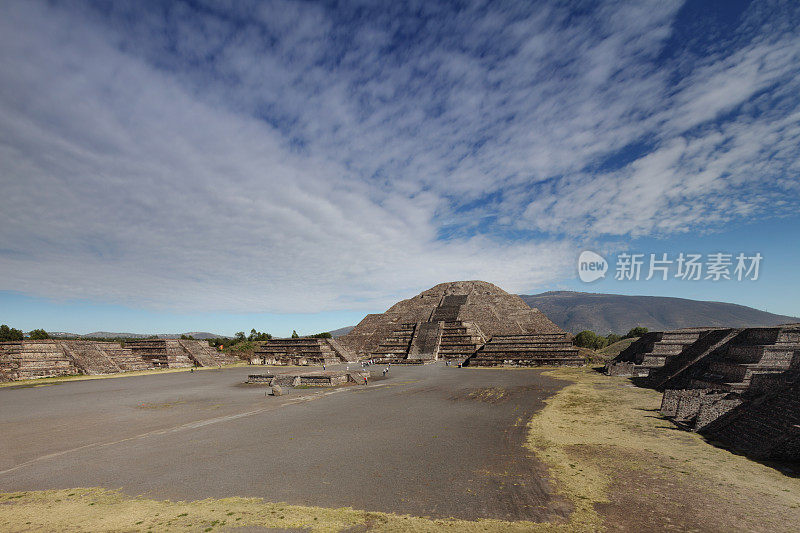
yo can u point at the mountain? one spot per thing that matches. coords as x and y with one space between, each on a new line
341 331
616 313
200 335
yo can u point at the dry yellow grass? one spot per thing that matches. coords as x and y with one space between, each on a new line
105 510
600 431
596 435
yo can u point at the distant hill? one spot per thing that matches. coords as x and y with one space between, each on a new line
202 335
577 311
616 313
341 331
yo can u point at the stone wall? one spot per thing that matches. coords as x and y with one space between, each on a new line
527 350
764 427
742 391
31 359
653 350
302 351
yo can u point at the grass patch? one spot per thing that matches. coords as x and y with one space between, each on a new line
94 509
613 350
599 431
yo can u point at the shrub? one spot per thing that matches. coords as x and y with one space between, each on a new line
10 334
38 334
585 339
636 332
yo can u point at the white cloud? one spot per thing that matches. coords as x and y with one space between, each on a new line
293 159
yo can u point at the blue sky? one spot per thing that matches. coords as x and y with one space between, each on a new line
293 165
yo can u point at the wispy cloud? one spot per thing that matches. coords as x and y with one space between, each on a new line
286 157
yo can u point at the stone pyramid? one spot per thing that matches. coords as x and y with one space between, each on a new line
468 314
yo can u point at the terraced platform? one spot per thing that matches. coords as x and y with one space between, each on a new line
32 359
753 363
653 351
302 351
482 308
527 350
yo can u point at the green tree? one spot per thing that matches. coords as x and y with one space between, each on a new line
10 334
585 339
295 335
636 332
599 343
323 335
613 337
38 334
240 336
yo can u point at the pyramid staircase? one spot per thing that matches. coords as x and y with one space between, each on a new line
204 355
705 346
123 357
395 347
161 353
448 308
756 351
426 342
527 350
342 352
460 340
90 357
751 364
652 351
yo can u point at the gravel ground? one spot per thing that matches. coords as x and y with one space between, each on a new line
429 441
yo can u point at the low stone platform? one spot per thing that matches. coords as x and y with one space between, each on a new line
527 350
32 359
303 351
330 378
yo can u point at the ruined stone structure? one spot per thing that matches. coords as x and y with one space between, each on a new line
308 379
35 359
30 359
764 426
482 308
302 351
160 353
456 320
205 355
754 362
527 350
652 351
739 387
